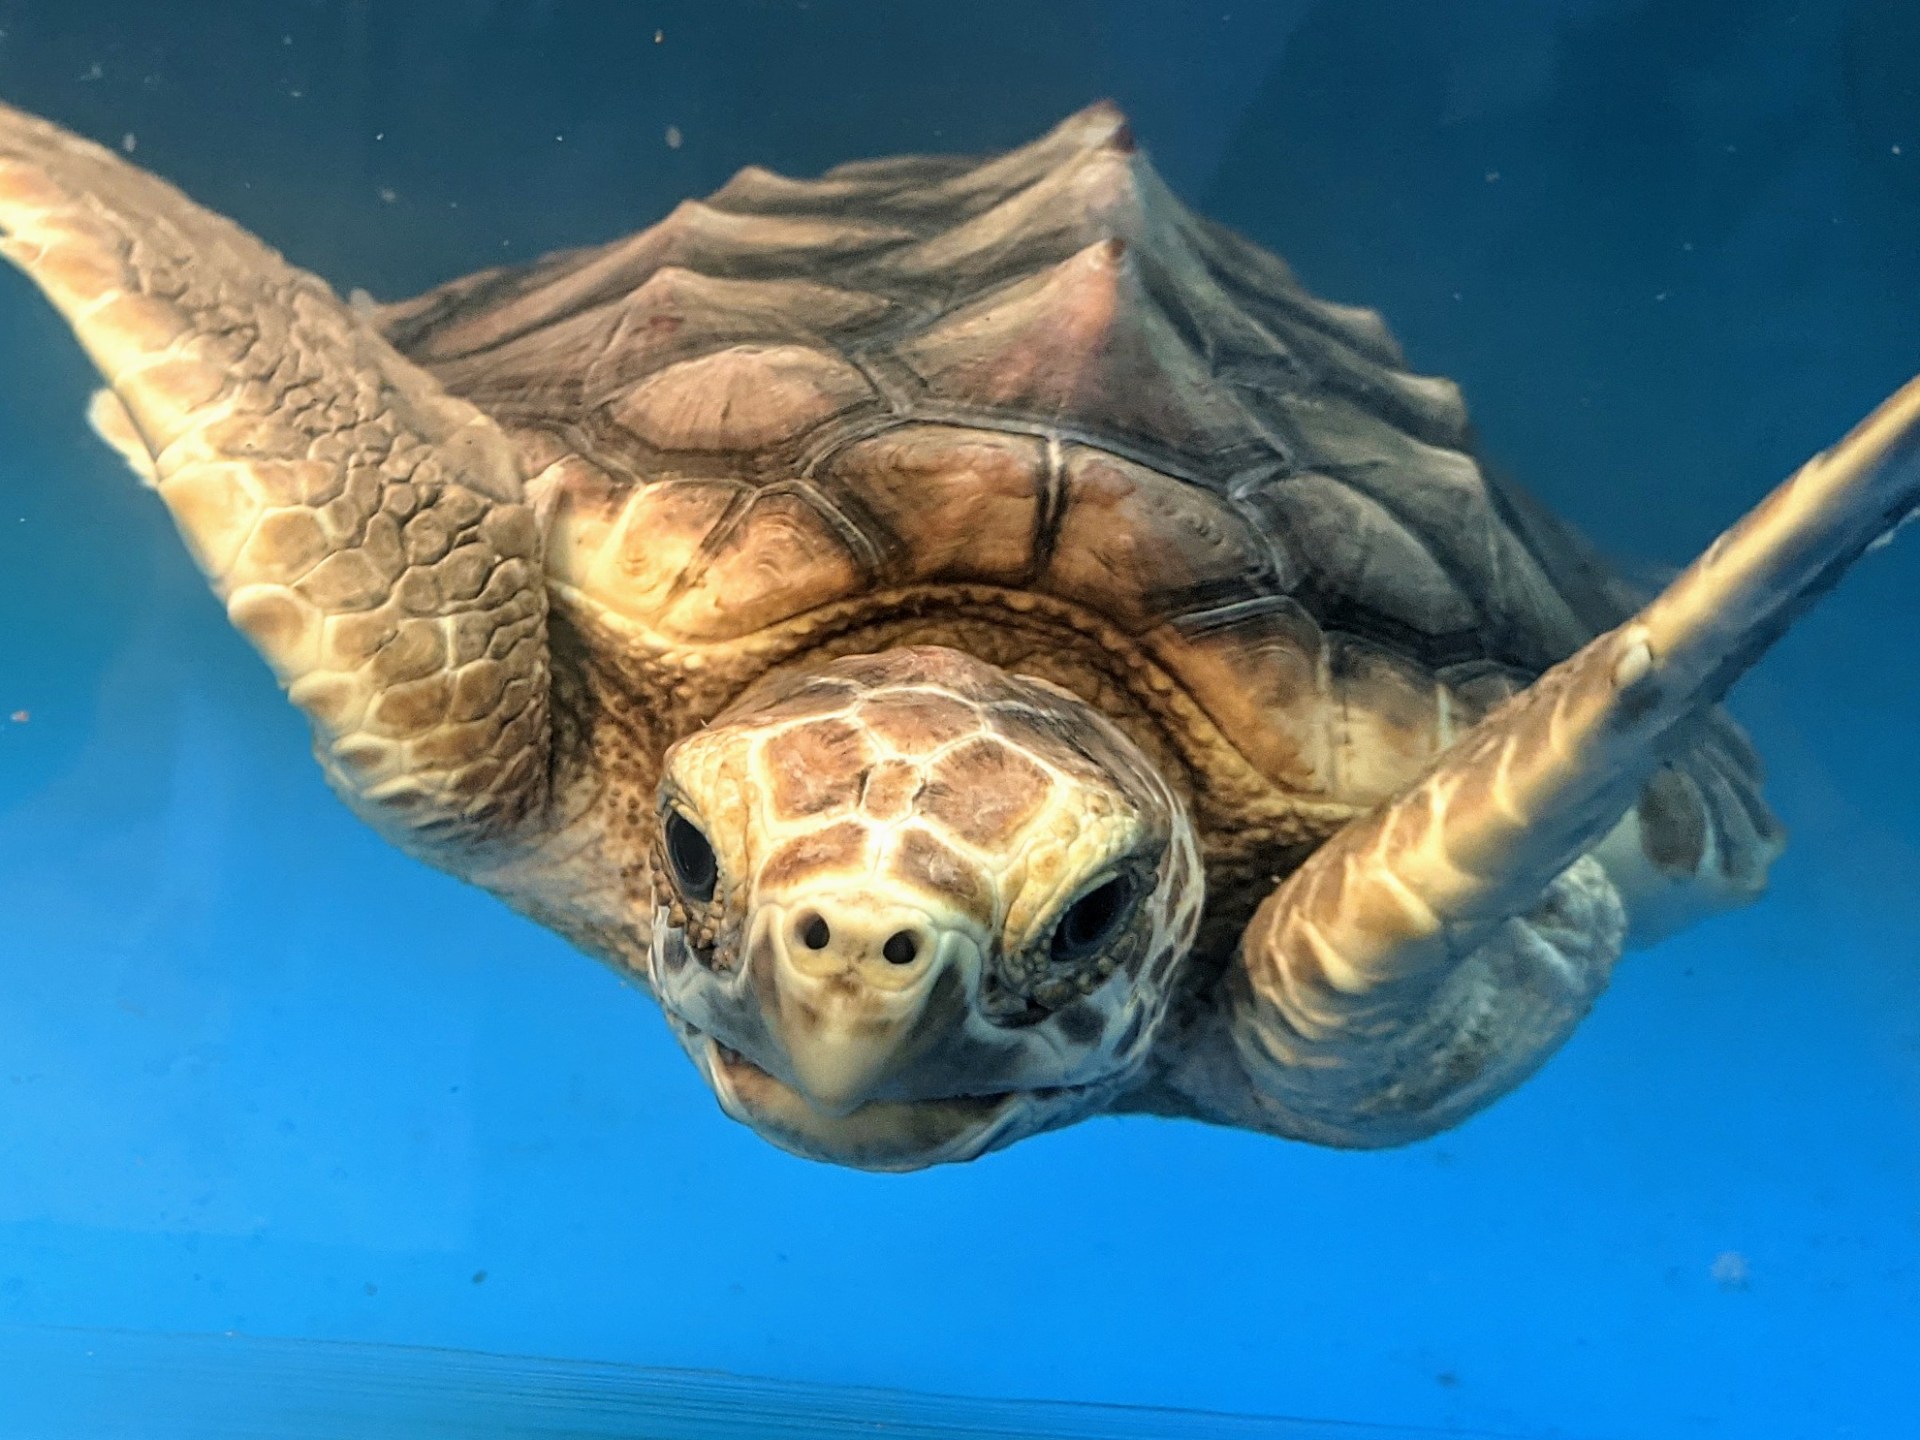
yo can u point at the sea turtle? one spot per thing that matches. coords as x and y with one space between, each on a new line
984 646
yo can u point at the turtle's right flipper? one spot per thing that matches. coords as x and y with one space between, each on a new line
365 529
1355 950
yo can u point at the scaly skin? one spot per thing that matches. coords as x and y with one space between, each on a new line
878 975
365 529
1468 867
873 974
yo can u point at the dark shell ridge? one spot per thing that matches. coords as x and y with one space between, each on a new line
1037 370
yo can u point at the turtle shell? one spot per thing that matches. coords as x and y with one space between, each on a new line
1036 374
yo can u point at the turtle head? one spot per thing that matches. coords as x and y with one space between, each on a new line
910 907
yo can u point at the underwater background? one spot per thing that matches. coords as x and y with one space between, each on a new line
261 1074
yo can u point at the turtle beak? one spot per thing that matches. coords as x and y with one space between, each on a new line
852 980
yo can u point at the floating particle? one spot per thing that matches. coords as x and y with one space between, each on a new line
20 717
674 138
1731 1271
659 37
388 194
129 142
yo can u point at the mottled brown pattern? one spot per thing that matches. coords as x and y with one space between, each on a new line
960 502
891 789
922 860
817 767
917 722
1240 812
841 848
985 792
1029 409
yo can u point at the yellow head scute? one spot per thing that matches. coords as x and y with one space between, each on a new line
812 767
986 792
915 777
921 861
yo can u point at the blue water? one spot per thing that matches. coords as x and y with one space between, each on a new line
259 1073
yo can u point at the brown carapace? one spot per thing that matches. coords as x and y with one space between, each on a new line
983 644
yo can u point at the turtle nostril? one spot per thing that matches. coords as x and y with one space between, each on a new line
814 933
901 947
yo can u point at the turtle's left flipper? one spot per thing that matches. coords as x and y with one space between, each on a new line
366 530
1436 947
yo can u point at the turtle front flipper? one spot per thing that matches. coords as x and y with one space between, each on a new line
1433 952
365 529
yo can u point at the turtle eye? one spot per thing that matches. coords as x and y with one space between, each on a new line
1092 920
695 870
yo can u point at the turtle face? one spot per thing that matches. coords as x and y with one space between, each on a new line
910 908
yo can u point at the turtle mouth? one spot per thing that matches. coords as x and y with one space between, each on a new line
887 1135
